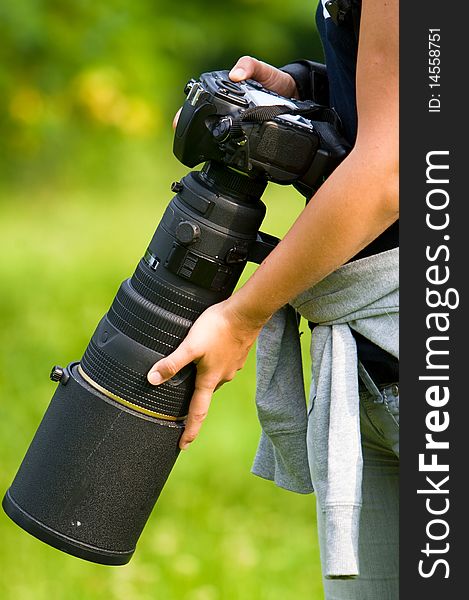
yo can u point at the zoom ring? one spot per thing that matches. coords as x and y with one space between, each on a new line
166 296
115 377
145 322
154 338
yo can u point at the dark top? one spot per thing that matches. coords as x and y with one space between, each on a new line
340 43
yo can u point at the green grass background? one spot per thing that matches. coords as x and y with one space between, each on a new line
87 93
217 532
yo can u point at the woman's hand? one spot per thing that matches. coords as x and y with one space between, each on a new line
270 77
218 342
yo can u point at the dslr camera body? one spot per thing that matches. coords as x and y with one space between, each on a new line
246 127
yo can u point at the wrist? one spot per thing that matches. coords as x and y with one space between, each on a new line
246 313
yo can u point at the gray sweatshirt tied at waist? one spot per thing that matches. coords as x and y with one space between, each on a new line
322 450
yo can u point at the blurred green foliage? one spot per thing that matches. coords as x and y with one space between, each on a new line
78 75
87 94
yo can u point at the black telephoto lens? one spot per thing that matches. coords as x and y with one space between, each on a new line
109 439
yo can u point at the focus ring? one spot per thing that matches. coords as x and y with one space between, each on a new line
114 376
145 322
159 292
136 329
149 312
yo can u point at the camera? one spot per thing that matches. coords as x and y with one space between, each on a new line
246 127
108 440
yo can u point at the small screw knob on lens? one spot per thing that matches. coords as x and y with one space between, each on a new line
177 187
57 373
187 232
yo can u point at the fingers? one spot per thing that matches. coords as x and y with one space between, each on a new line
198 410
270 77
251 68
167 367
226 379
176 118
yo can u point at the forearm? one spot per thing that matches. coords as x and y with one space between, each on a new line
355 205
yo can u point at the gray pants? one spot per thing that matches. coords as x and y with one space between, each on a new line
379 520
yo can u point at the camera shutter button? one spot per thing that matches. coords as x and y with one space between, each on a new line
230 87
187 232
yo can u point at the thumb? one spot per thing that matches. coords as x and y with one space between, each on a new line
167 367
248 67
268 76
176 118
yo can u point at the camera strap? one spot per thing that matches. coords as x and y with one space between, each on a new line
311 110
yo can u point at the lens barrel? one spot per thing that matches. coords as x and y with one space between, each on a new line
109 439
